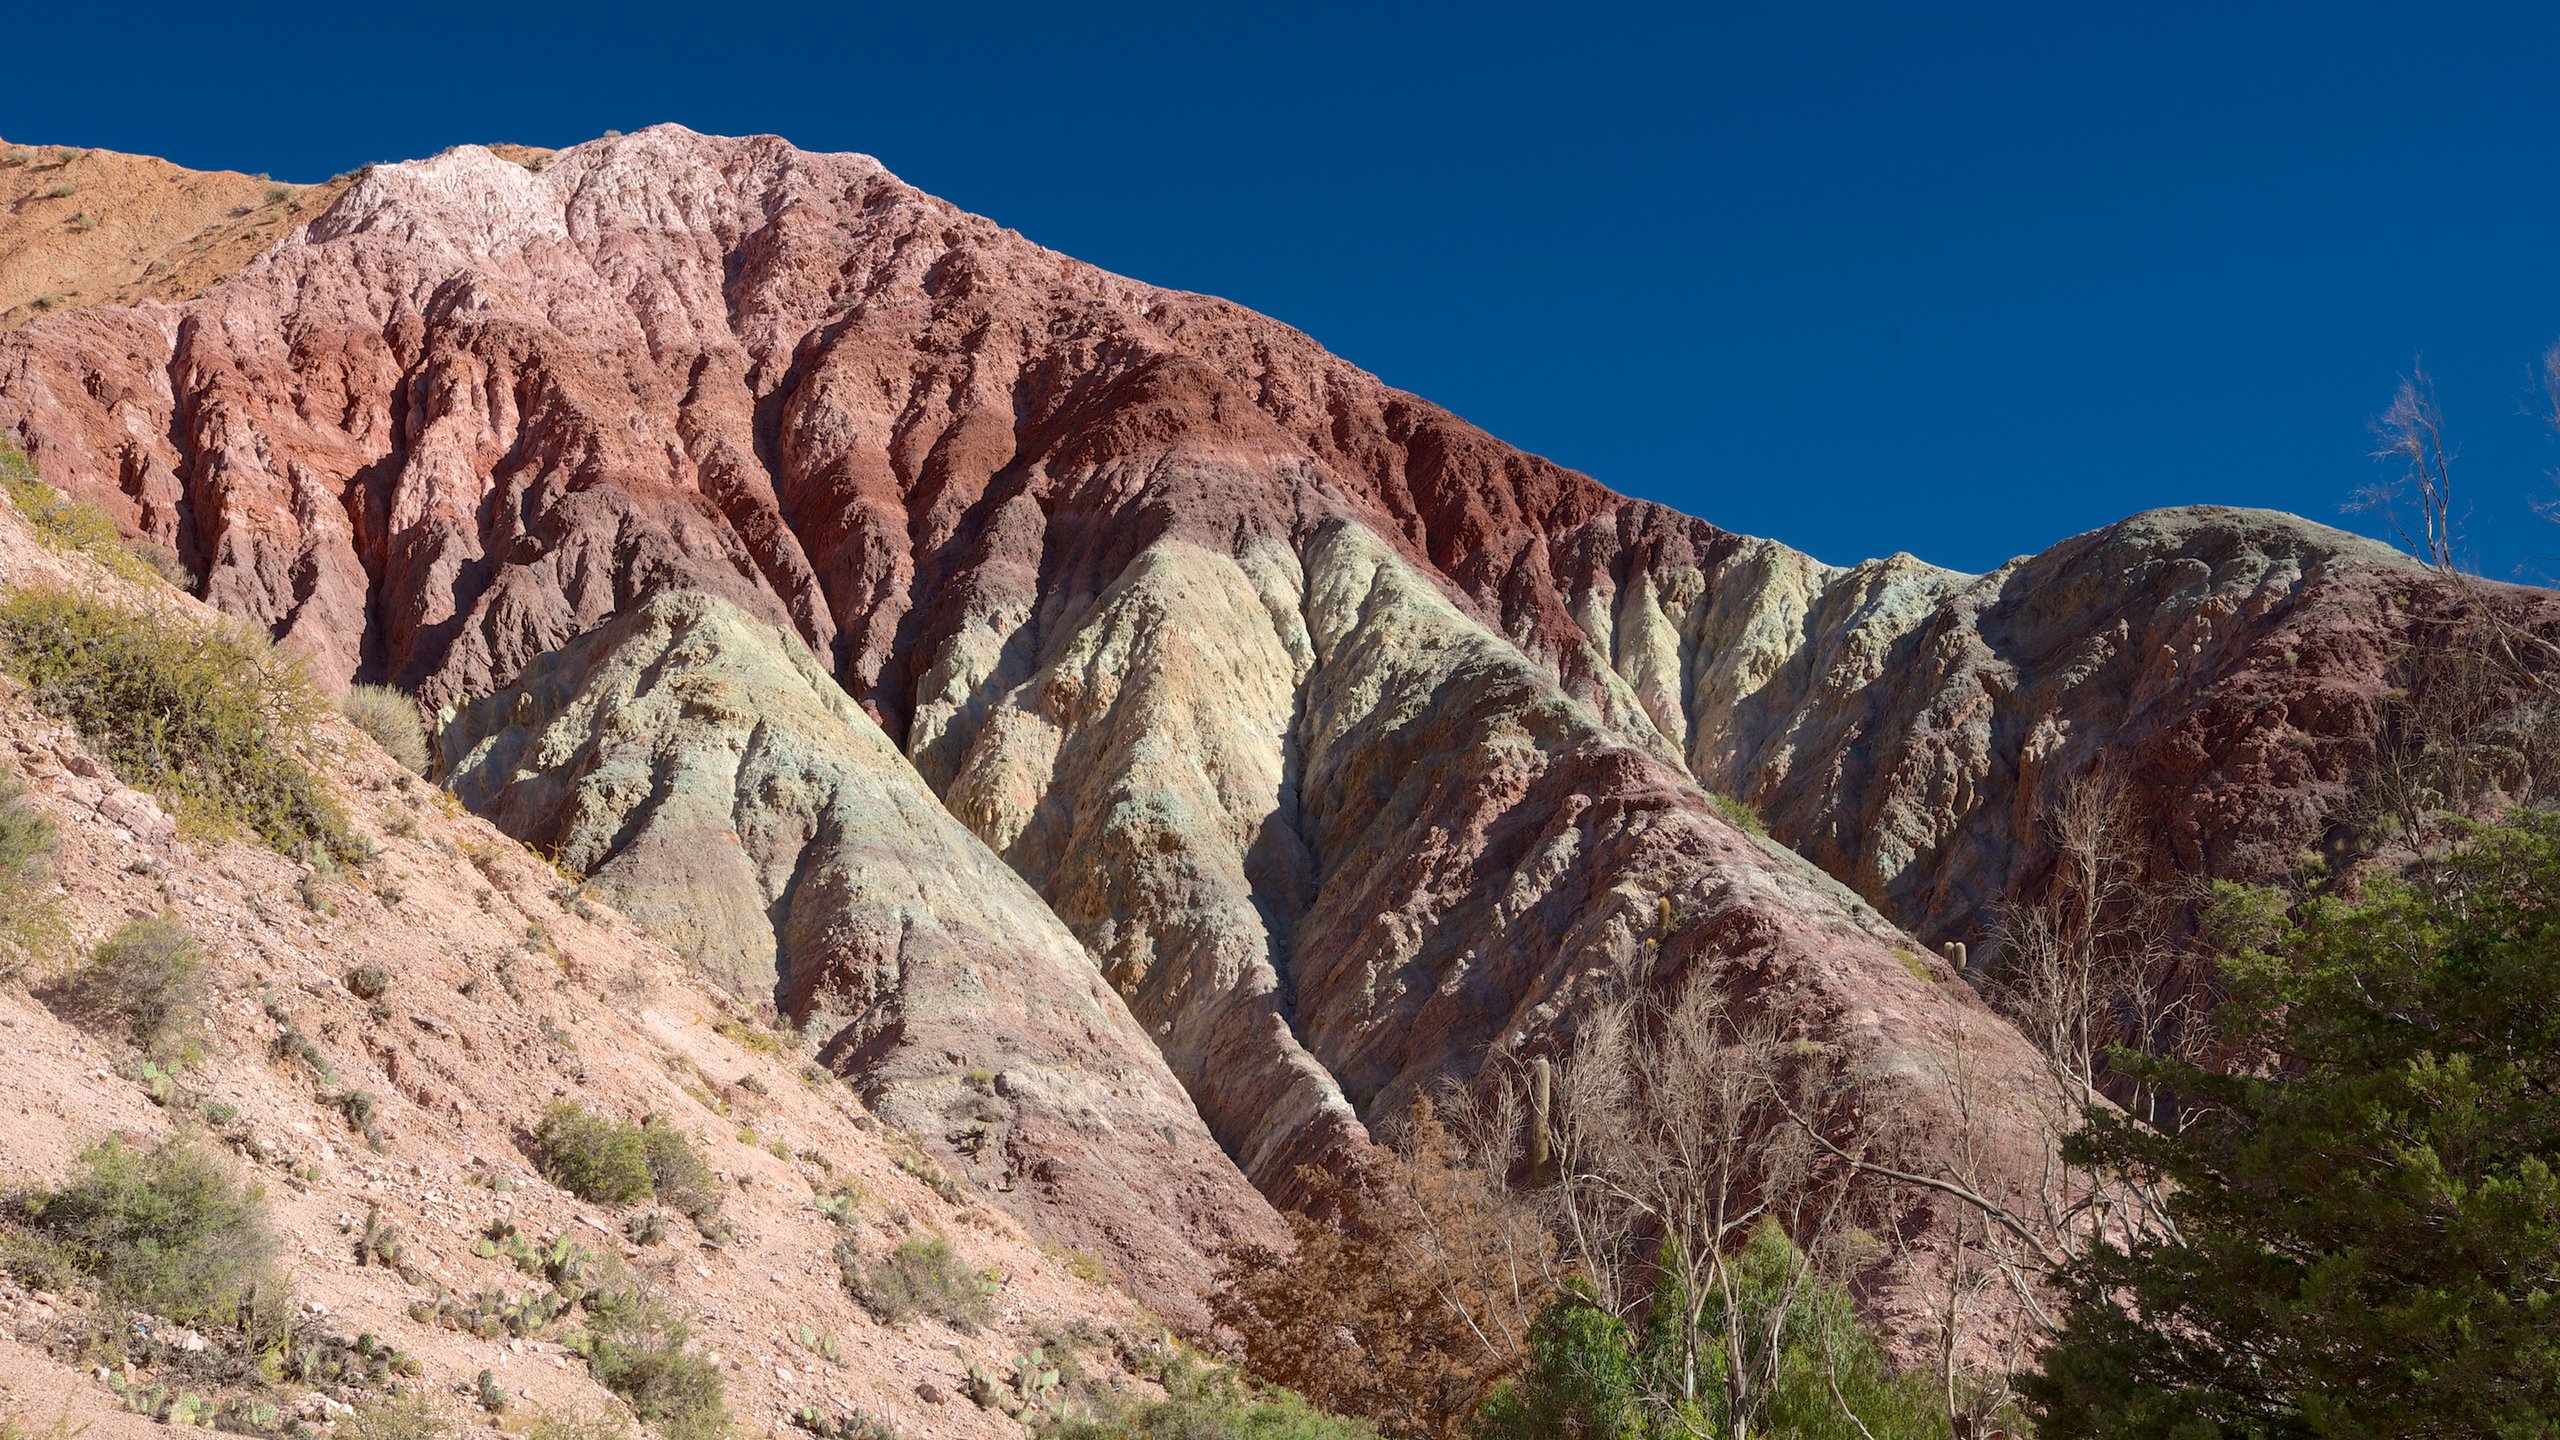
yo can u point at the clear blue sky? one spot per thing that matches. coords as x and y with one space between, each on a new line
1858 277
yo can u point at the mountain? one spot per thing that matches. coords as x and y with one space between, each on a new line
389 1123
908 623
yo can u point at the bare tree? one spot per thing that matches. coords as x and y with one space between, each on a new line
1674 1140
2474 720
2096 958
2418 503
1415 1297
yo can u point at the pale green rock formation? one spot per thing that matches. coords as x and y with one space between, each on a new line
709 779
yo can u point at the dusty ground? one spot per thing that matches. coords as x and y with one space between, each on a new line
508 990
94 227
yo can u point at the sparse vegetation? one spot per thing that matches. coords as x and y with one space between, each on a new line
391 718
594 1157
146 983
368 982
211 718
1738 813
14 1426
923 1276
402 1414
1210 1404
30 920
168 1231
854 1425
61 522
547 1424
635 1344
749 1036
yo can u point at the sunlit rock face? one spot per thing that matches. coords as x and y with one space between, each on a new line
699 766
915 625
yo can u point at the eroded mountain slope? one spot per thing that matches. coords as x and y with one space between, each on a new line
1352 745
474 410
503 989
711 780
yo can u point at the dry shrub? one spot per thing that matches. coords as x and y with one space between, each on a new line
391 718
923 1276
147 983
1675 1132
1411 1303
29 918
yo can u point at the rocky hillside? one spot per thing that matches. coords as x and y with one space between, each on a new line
459 985
92 227
784 547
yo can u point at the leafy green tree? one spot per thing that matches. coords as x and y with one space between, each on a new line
2363 1237
1592 1377
1581 1382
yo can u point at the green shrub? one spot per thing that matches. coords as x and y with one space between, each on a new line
147 983
391 718
678 1175
26 838
368 982
1592 1373
64 523
1209 1405
1738 813
30 919
635 1344
594 1157
208 717
924 1276
169 1231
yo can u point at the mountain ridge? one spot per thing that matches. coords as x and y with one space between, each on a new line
1358 751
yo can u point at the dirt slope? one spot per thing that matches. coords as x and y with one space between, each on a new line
93 227
508 990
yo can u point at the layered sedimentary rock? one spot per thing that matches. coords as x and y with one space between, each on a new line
1910 728
1349 744
720 789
